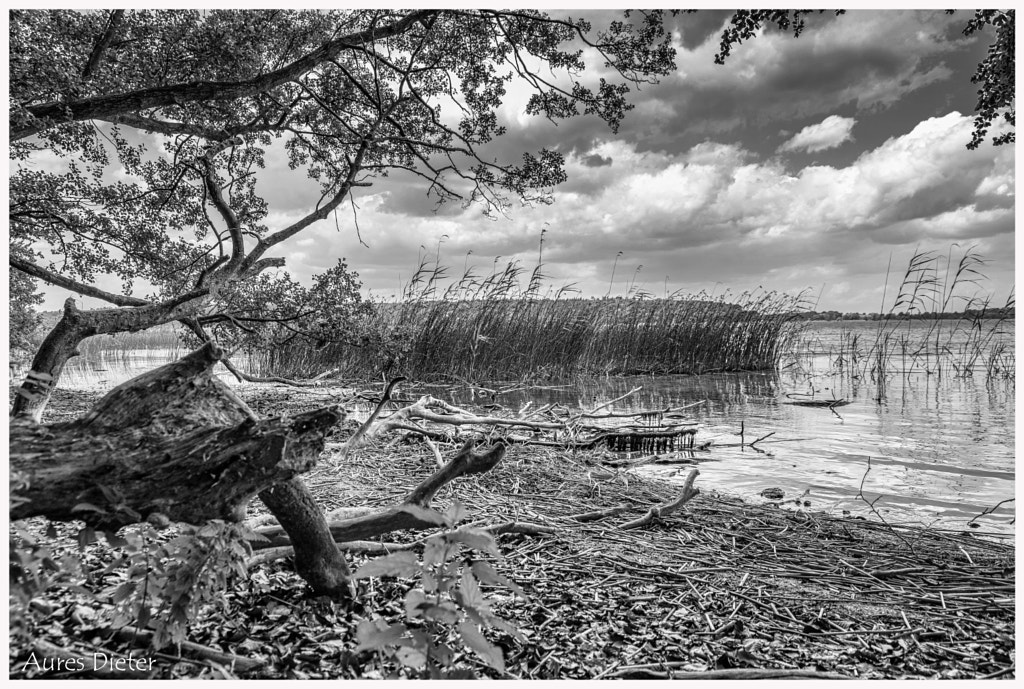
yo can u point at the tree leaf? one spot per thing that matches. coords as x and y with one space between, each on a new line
374 635
486 574
471 595
428 581
85 537
142 620
488 652
476 539
87 507
410 657
401 564
508 628
444 613
434 551
414 600
424 513
456 513
122 592
113 540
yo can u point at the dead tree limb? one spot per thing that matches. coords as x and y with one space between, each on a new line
361 433
431 409
267 555
661 510
465 463
601 514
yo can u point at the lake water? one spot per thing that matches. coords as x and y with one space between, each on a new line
941 447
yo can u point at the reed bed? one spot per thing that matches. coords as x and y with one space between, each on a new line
493 329
938 324
129 346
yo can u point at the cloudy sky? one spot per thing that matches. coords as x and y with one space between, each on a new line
806 163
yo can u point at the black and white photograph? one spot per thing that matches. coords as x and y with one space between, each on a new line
544 343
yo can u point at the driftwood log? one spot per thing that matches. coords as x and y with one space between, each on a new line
177 444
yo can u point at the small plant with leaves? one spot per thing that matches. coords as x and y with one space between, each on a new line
448 601
166 585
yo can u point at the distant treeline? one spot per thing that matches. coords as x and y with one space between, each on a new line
996 312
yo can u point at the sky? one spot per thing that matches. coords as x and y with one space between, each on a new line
805 165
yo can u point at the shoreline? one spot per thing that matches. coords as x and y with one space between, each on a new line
719 588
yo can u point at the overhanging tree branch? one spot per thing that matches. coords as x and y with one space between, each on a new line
50 114
321 213
73 285
229 215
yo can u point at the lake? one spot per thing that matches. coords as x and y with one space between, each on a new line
941 446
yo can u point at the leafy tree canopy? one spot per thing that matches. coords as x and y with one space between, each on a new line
353 95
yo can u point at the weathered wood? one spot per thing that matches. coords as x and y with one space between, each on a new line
112 479
660 511
177 442
465 463
317 558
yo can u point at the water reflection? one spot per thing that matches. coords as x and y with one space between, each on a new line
941 448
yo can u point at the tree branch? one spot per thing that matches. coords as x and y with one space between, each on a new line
465 463
101 45
73 285
321 213
50 114
226 212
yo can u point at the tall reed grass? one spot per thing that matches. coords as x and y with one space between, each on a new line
918 334
488 328
159 341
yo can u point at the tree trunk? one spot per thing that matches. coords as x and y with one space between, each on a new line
62 343
112 479
177 442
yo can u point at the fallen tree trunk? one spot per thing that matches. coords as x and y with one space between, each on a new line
176 443
317 558
111 480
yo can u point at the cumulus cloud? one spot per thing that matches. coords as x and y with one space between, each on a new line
713 213
831 132
868 61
